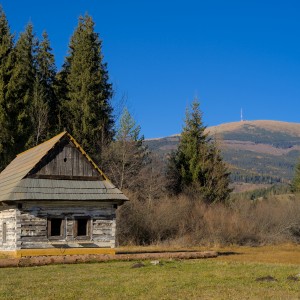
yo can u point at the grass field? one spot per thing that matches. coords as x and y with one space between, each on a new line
226 277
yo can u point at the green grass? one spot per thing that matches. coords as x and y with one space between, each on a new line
188 279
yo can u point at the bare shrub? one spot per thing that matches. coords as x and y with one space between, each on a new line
148 222
187 221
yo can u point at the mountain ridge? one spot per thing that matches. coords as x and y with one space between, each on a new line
263 151
289 127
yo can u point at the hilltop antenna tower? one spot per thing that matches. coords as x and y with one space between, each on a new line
242 119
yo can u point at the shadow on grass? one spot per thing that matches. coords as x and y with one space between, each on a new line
154 251
228 253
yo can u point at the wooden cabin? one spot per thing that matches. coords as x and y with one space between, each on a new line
55 200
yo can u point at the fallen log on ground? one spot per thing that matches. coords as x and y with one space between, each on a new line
72 259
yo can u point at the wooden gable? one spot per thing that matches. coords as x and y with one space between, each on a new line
37 174
65 161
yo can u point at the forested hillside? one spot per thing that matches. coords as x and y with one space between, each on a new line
256 152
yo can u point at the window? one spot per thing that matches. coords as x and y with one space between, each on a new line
82 227
56 227
4 232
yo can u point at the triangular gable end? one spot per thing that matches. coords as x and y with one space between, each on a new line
66 160
58 169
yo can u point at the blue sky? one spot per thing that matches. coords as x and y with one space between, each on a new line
161 54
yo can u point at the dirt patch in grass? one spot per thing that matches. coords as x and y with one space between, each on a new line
267 278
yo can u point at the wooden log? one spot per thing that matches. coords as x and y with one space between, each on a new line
71 259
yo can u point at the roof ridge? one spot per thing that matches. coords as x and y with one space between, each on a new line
48 141
77 145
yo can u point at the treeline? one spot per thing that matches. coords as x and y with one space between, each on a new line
262 193
237 176
37 102
249 164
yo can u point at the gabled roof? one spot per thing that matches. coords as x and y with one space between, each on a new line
15 186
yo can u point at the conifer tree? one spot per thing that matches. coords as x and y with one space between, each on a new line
60 91
46 72
21 87
6 96
43 107
216 176
197 164
295 185
87 112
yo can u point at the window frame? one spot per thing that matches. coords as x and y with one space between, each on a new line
88 228
62 228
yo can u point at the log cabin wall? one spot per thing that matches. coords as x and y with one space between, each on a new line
34 217
8 229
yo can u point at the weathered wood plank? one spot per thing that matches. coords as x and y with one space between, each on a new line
31 224
66 160
8 229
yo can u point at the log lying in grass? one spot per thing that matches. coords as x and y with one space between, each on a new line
71 259
167 255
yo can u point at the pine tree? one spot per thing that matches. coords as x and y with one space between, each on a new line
127 155
21 87
295 185
197 164
61 91
43 107
216 176
6 99
46 73
87 112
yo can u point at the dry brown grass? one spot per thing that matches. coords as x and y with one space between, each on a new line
274 254
183 221
287 127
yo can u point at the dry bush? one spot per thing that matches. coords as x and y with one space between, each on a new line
147 222
187 221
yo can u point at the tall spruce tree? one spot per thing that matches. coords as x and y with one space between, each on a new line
87 112
43 107
46 73
6 95
197 165
21 87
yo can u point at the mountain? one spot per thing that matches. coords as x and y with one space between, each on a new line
257 152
